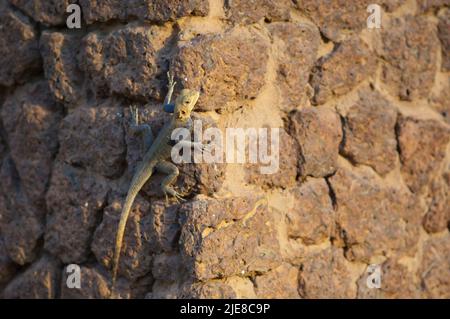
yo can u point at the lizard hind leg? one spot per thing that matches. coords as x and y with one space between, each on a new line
172 172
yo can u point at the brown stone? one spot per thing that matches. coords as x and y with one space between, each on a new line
247 12
370 133
298 44
409 50
165 227
434 272
422 145
75 200
439 101
168 267
158 11
338 18
396 282
318 132
31 118
312 216
286 174
131 61
49 13
425 5
325 275
21 222
59 52
99 133
278 283
233 236
94 285
339 72
215 289
373 219
228 69
39 281
444 37
7 266
437 217
19 47
136 258
201 178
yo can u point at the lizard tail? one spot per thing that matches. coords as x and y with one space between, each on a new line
141 177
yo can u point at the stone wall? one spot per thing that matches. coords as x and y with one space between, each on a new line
364 178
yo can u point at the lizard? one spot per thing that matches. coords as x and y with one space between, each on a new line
157 153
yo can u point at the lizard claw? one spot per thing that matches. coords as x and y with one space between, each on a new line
134 115
202 147
171 81
177 196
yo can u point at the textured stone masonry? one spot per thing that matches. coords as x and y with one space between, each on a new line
364 174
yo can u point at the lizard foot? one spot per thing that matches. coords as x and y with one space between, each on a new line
134 115
171 81
177 196
204 148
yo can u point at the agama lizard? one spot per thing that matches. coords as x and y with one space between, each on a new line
157 153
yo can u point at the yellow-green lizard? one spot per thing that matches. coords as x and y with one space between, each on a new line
157 155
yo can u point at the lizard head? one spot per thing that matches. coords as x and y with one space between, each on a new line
185 102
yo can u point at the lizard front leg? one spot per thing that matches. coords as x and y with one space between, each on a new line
141 129
168 107
172 173
196 145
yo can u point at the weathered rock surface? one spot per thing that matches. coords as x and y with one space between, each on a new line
136 257
75 200
318 132
228 237
439 101
94 285
397 282
288 162
21 222
425 5
7 267
312 216
364 162
98 131
437 217
326 275
339 72
410 51
228 69
247 12
422 145
444 37
59 51
158 11
19 47
131 61
30 119
50 13
369 129
338 19
435 270
278 283
298 44
39 281
373 219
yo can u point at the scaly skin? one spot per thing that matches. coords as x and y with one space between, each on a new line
156 157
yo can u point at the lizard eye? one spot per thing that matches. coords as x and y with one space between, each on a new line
187 102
